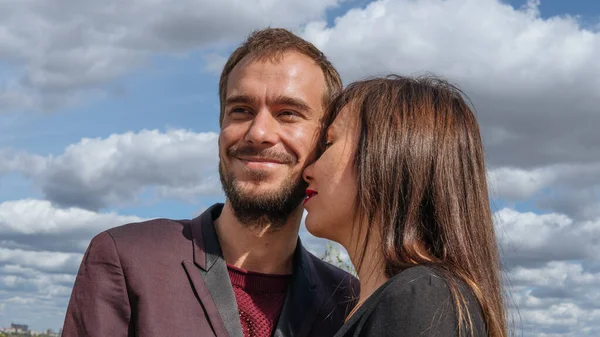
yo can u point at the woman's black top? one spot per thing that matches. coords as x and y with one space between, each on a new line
416 302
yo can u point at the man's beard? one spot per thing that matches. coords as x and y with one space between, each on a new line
272 208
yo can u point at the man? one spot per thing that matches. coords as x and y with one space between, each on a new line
238 269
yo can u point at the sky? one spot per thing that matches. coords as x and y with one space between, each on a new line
109 115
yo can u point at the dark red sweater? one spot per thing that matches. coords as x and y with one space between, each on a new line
259 298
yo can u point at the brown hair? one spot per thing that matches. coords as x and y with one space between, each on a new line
421 178
272 44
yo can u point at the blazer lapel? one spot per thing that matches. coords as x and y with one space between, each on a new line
210 278
302 304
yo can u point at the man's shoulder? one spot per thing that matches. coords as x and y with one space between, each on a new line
324 268
330 275
149 229
337 289
157 241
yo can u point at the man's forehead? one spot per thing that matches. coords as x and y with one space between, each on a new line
284 59
254 93
279 74
274 80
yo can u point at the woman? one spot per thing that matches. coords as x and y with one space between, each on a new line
401 185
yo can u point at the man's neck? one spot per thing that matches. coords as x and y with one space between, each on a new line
262 250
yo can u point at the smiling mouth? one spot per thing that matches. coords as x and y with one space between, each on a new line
259 161
309 195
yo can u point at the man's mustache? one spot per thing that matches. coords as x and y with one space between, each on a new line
264 154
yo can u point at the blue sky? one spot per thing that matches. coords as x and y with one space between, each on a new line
108 77
588 10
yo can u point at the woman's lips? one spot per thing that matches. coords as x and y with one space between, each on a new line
309 194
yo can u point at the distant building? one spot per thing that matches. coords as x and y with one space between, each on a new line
51 333
23 330
19 327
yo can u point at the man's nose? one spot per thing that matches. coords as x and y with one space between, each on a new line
263 129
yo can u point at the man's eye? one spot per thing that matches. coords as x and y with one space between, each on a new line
288 114
239 113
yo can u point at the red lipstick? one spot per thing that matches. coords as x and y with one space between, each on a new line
309 194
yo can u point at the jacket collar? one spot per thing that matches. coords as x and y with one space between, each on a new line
302 302
210 277
207 250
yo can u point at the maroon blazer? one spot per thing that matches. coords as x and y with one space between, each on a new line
168 278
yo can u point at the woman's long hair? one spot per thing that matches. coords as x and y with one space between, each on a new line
421 178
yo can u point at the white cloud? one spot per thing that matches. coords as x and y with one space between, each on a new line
103 172
39 216
40 252
20 161
96 173
553 268
572 189
68 48
41 260
519 184
531 79
483 40
557 299
532 239
44 294
38 226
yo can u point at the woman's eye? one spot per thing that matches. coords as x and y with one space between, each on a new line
328 144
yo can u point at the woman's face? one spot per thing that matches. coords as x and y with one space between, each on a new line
331 179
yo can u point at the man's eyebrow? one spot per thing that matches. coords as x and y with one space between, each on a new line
297 103
240 99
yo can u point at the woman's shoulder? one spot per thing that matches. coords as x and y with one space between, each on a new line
423 283
419 299
422 280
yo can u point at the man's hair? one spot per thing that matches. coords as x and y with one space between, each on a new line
272 44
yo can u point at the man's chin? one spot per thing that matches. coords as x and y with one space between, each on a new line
250 189
258 177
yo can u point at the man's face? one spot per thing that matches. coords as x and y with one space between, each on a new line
271 120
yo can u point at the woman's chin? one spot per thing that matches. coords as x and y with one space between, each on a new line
317 229
312 227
